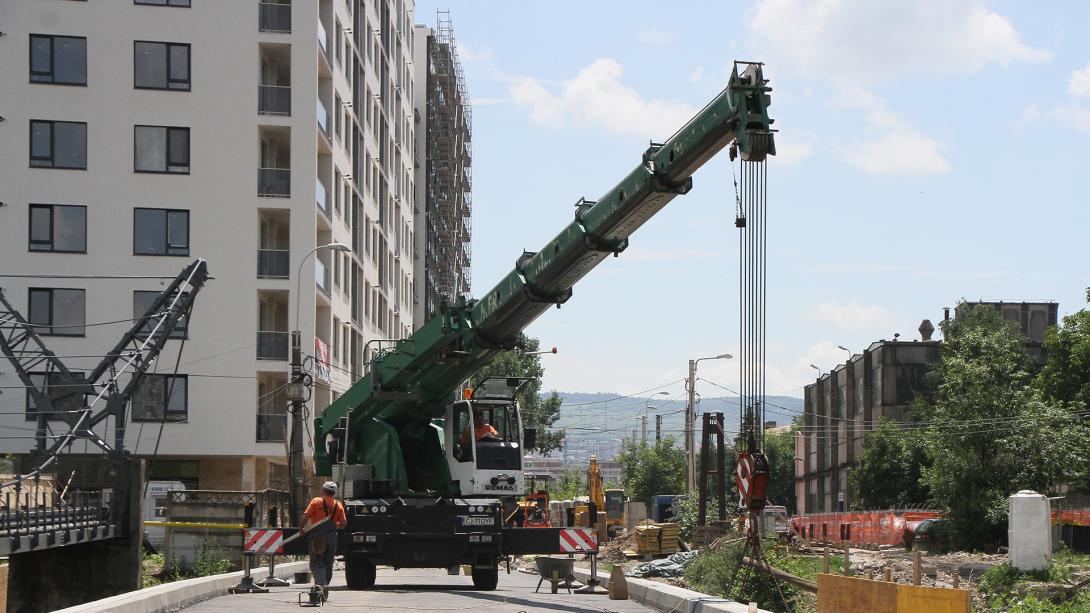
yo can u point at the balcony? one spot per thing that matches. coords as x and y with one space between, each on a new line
323 118
273 263
272 345
274 17
321 276
274 182
320 197
274 99
323 39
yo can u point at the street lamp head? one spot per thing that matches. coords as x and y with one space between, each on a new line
723 356
336 247
816 368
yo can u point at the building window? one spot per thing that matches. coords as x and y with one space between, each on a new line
161 398
141 302
161 65
61 60
58 144
160 232
58 228
41 381
184 3
161 149
57 311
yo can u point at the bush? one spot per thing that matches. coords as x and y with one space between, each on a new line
711 572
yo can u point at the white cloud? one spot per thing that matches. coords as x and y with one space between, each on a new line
544 108
1077 117
596 97
863 39
851 44
654 36
470 55
1079 83
893 146
697 74
897 153
850 315
794 146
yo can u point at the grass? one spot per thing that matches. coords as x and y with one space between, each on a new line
156 573
1006 588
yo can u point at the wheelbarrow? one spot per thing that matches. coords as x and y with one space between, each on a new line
555 570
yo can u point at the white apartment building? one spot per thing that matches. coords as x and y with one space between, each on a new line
138 135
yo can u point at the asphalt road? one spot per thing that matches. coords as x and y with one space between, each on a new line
426 590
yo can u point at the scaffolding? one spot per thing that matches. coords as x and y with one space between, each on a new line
449 197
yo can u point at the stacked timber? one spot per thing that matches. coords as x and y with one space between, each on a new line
656 539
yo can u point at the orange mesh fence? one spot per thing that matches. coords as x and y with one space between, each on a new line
861 529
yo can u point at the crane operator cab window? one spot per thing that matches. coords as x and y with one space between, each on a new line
495 436
490 424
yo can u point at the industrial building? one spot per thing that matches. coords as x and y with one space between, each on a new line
444 173
140 135
882 381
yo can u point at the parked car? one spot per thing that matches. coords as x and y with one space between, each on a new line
933 534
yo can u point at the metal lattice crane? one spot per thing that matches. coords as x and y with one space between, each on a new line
82 403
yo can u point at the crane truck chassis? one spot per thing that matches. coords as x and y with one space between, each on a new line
420 491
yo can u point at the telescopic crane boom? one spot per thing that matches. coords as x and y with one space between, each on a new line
388 413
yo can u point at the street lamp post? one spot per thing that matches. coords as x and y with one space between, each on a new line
295 392
690 422
643 421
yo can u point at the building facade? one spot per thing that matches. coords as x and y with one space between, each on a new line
883 381
444 174
142 134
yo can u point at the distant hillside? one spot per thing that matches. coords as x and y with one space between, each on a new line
596 422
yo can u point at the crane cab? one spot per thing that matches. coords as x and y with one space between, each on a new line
484 439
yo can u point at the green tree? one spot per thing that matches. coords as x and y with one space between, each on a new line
779 448
989 436
537 412
1066 375
571 484
890 468
650 470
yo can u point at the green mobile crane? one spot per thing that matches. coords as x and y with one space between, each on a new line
421 490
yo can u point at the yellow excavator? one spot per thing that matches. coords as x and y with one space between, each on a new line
611 501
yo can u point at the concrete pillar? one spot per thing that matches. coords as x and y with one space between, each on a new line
61 577
1029 531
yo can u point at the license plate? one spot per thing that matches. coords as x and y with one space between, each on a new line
477 521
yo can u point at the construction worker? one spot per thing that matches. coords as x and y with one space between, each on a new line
322 538
481 429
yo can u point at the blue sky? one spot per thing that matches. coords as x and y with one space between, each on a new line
930 151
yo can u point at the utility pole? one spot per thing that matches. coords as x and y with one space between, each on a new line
690 418
295 457
643 428
658 429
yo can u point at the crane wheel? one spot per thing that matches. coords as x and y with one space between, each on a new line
359 573
485 579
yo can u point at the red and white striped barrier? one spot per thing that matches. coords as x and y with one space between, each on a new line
264 541
578 540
